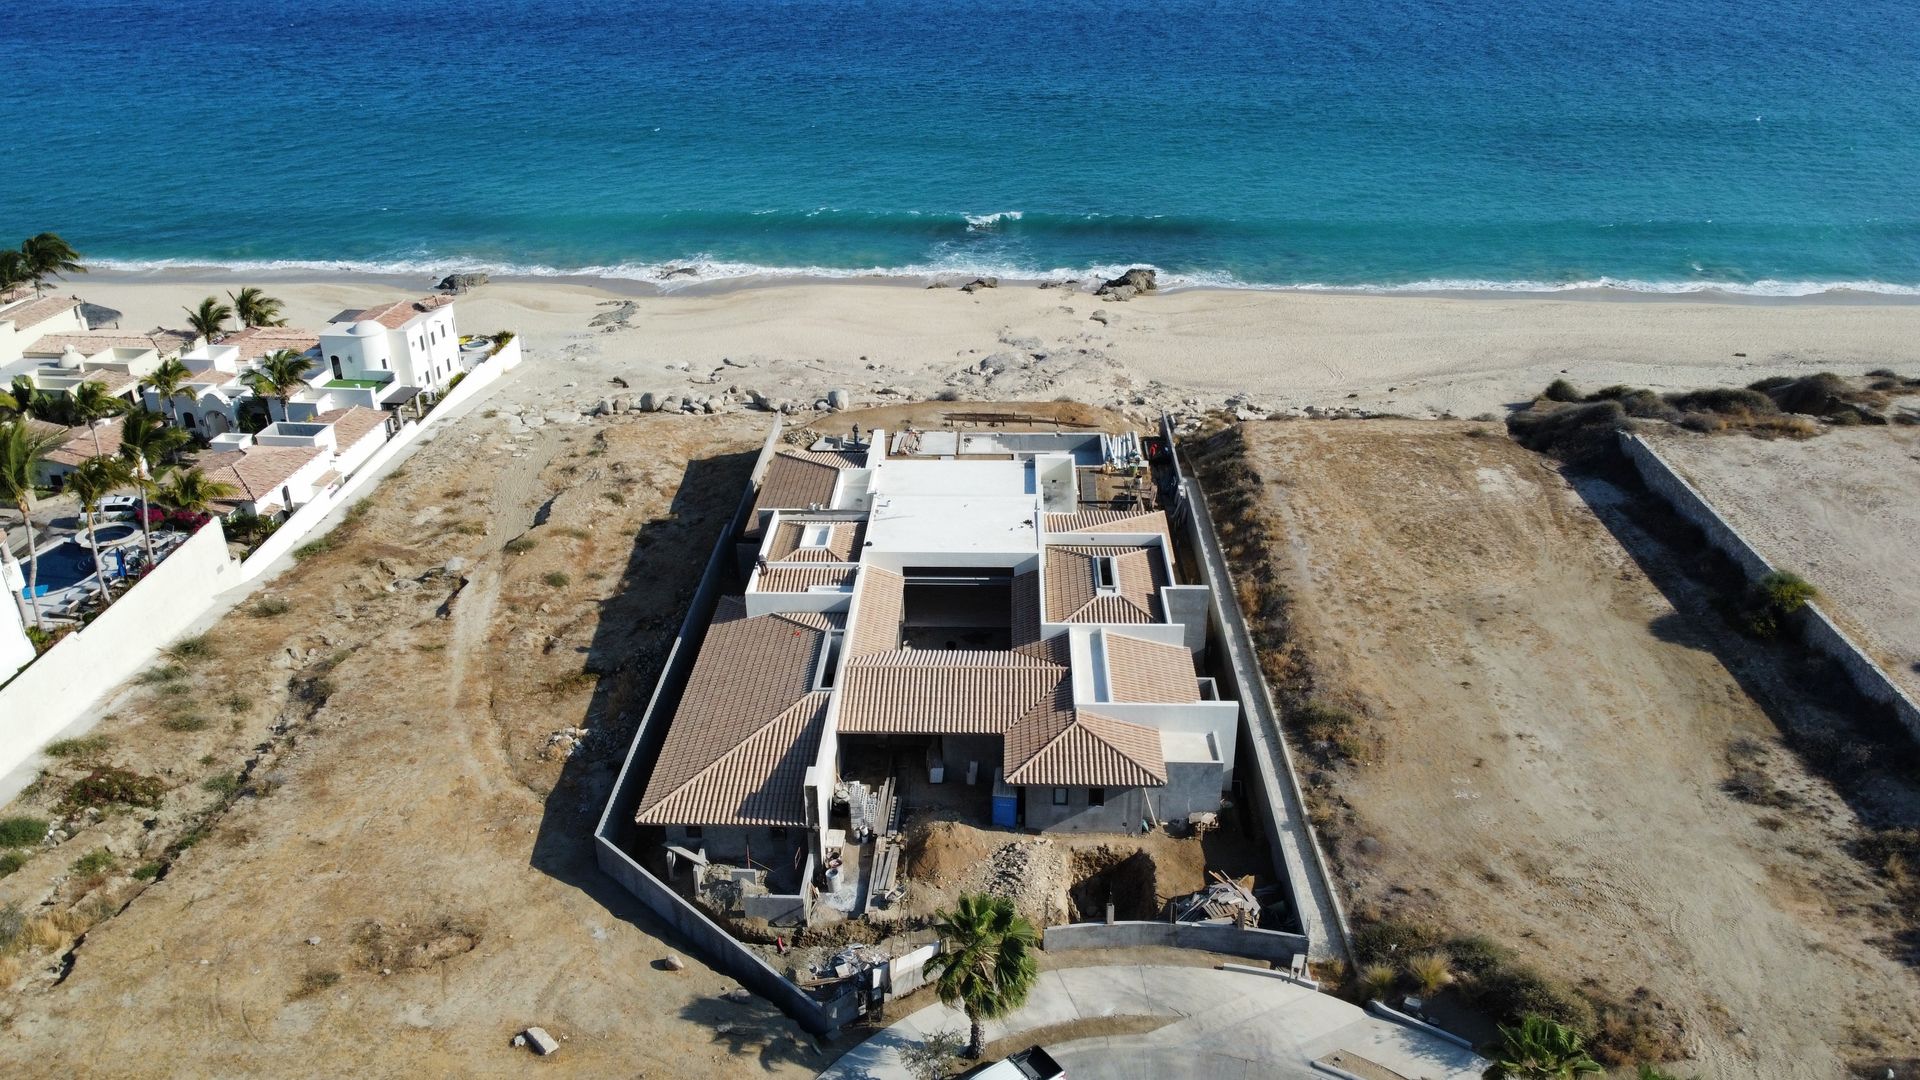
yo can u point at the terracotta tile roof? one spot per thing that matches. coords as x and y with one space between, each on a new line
1125 521
804 578
1077 748
30 315
759 781
254 341
1150 671
751 675
957 692
801 479
1073 593
352 425
258 472
880 610
401 312
165 342
79 445
843 541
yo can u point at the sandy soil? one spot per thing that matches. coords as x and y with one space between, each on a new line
1840 511
404 881
1550 741
1415 356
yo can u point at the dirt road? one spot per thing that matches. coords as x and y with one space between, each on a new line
1547 740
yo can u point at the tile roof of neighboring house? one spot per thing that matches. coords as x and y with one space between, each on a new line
876 622
956 692
720 763
254 341
163 341
352 425
1077 748
258 472
843 541
1073 593
79 445
32 314
1150 671
803 479
401 312
1124 521
804 578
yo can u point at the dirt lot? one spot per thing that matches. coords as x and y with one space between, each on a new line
1840 511
1544 741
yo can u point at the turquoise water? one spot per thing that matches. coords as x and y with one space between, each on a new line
1769 147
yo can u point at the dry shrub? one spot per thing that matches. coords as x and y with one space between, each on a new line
47 931
1577 434
415 943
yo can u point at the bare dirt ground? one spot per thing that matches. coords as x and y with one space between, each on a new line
1544 742
1840 510
403 881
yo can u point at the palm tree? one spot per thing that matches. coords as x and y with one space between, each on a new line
46 255
987 964
256 308
22 450
190 490
210 318
13 270
145 440
1540 1049
94 480
91 402
279 376
166 382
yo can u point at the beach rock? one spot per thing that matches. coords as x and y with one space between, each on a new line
678 271
839 399
1024 344
621 404
938 285
459 283
710 406
1100 317
1140 279
1001 362
615 316
981 283
1118 292
604 407
1065 284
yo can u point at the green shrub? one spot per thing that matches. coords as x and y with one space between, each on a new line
1508 994
189 649
11 861
1774 599
146 871
1475 954
1574 433
110 785
1387 941
225 783
237 702
1726 401
22 831
13 923
97 861
1376 981
614 497
268 607
1561 390
165 674
314 547
184 722
520 545
556 579
85 746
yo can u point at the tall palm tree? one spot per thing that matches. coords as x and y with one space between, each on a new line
279 376
22 450
1540 1049
210 318
94 480
146 439
190 490
255 308
91 402
987 966
166 382
13 270
47 256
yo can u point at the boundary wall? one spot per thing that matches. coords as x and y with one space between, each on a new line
1275 789
1254 944
1817 628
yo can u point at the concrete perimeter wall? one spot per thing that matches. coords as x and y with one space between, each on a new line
1816 627
1216 938
616 829
58 689
1272 784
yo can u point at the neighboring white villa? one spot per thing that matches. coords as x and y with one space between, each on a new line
408 345
970 611
24 319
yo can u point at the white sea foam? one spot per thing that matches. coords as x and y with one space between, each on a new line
705 269
978 222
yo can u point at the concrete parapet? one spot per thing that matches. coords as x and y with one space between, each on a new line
1208 937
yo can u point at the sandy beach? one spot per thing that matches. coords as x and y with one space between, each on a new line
1417 356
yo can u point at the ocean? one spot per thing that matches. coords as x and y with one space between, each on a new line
1767 147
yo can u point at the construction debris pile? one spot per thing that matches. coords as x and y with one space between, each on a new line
1225 902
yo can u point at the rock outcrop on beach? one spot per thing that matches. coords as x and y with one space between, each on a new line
459 283
1138 280
981 283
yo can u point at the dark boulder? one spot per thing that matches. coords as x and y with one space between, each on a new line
459 283
1140 279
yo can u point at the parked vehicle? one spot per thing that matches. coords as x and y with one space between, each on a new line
1033 1063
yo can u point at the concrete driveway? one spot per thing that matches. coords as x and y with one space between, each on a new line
1221 1024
